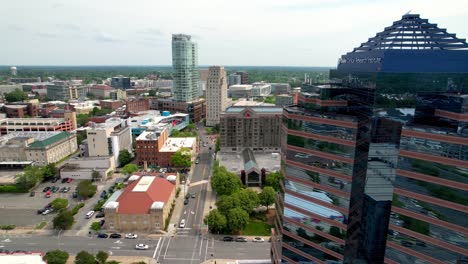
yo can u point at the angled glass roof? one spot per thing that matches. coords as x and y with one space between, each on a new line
413 33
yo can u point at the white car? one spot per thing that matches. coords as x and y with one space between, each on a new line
131 236
182 223
47 211
258 239
141 247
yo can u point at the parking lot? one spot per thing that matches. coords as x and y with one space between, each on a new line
21 209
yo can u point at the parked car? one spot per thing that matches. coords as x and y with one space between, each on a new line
40 211
100 215
228 238
63 189
102 222
89 214
187 196
55 179
46 189
64 180
258 239
47 211
55 189
241 239
103 194
141 246
131 236
182 223
197 161
186 201
75 195
69 180
115 235
102 235
67 189
193 195
48 194
32 194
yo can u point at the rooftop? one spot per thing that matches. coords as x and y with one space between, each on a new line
174 144
150 135
51 140
156 189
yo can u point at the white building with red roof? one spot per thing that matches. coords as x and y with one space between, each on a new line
143 205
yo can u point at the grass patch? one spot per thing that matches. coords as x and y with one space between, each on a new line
257 228
41 225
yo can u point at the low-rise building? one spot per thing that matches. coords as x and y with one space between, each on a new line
110 104
196 109
8 88
118 94
135 105
155 148
83 107
65 91
284 100
100 90
68 123
143 206
20 258
40 148
83 168
20 110
150 120
280 88
109 138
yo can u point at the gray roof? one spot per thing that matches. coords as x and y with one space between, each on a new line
249 160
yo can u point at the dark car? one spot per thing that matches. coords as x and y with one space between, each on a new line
187 196
55 179
75 195
241 239
193 195
46 189
102 222
55 189
102 235
186 201
115 236
100 215
64 180
228 238
40 211
103 194
32 194
406 243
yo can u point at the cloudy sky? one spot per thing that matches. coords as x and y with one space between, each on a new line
240 32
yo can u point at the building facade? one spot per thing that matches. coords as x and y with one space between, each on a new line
20 110
216 95
244 76
135 105
68 123
256 127
143 206
118 94
100 91
64 91
196 109
284 100
280 88
430 200
234 79
110 104
109 138
120 82
185 64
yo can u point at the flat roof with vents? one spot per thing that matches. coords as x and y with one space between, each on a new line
143 184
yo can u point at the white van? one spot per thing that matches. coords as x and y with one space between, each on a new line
182 223
89 214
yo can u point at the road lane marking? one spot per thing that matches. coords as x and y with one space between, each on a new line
160 249
167 247
201 246
182 259
157 247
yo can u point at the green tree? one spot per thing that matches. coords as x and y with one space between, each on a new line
49 170
237 219
64 220
101 257
152 92
84 257
15 96
227 202
59 204
270 99
182 158
95 226
224 182
191 126
248 199
56 257
129 168
82 119
273 179
267 196
217 147
124 157
96 175
31 176
216 221
86 189
116 262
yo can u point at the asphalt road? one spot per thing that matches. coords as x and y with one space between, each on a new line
188 249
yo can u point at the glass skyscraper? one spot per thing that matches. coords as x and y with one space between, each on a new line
185 64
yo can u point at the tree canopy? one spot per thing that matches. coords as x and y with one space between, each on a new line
31 176
64 220
224 182
49 170
273 179
237 219
56 257
129 168
182 158
216 221
124 157
16 96
59 204
86 189
267 196
84 257
101 257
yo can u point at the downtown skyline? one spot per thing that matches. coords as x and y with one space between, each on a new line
307 33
